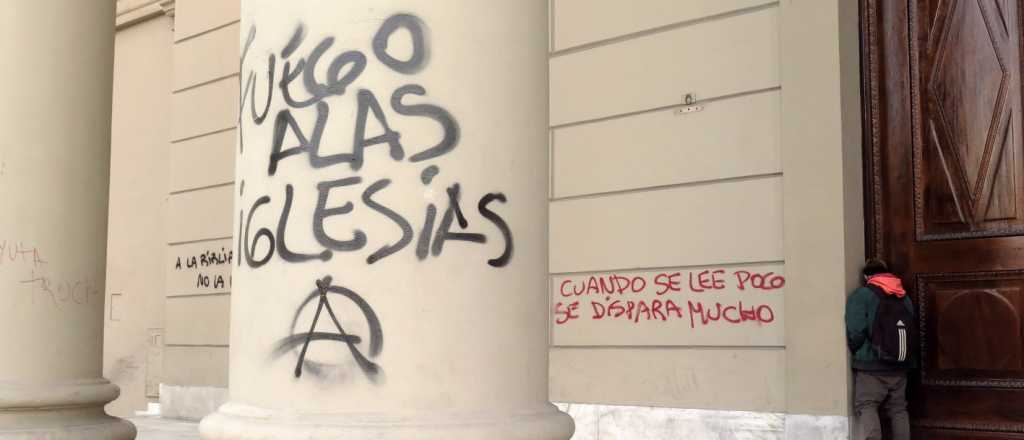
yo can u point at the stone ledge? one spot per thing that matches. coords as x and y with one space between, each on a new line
595 422
627 422
130 13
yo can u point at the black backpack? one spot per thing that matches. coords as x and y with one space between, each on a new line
894 333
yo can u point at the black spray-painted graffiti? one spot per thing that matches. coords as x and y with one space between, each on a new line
298 76
298 343
295 76
207 259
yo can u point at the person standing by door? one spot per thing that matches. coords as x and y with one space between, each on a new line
881 334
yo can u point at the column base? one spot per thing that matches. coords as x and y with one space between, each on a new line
71 411
239 422
101 427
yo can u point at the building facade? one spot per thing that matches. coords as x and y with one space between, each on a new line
704 170
680 157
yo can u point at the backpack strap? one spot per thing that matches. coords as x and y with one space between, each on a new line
881 298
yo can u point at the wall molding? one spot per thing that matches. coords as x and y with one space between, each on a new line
134 12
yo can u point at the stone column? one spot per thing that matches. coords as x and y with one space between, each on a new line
391 219
54 160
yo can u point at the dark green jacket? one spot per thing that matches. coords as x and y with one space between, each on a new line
860 318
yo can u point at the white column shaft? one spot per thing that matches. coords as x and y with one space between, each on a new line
54 175
391 219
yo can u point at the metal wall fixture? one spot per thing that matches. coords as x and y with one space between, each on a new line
690 105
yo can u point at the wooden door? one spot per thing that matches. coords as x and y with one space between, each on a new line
944 169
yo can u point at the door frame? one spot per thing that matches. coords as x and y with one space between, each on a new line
872 125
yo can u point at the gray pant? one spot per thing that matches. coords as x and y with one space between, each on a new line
871 391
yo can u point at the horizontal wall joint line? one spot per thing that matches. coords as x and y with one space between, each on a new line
208 133
659 268
204 83
200 188
194 295
207 31
657 30
708 182
169 344
664 107
122 10
198 240
663 347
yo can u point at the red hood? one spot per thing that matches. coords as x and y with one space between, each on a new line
889 283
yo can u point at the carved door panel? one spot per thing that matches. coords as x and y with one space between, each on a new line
969 93
944 163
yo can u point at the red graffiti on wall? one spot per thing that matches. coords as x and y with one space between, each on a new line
668 282
63 291
16 252
626 297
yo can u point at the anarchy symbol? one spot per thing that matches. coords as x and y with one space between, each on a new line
322 293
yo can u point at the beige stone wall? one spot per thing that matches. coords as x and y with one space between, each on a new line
637 186
172 173
134 315
824 225
198 255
